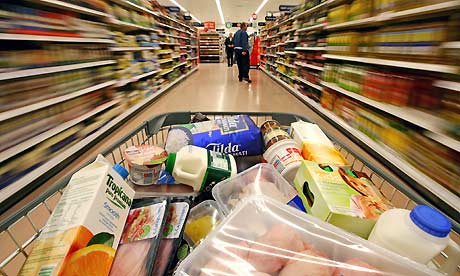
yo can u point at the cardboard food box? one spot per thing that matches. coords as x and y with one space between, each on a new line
327 196
315 145
83 232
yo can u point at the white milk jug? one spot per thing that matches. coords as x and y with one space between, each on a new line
420 234
197 167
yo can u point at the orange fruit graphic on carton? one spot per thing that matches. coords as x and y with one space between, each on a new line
95 259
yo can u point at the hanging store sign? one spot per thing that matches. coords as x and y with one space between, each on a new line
270 18
187 17
287 8
210 25
235 25
228 25
198 24
261 24
173 9
220 30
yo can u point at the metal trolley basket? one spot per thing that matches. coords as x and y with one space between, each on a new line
19 230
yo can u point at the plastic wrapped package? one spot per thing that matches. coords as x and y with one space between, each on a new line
261 179
203 218
264 237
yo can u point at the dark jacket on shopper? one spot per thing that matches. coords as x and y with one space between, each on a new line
241 40
228 43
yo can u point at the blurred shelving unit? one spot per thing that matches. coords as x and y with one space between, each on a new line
322 55
210 47
108 69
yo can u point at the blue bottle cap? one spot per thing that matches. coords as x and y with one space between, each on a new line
431 221
120 170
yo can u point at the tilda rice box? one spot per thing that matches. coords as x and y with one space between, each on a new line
83 232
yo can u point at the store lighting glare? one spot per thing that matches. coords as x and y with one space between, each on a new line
194 18
261 6
178 5
219 7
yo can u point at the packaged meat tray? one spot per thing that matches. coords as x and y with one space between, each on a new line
261 179
263 237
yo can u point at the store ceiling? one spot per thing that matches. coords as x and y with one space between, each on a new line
233 10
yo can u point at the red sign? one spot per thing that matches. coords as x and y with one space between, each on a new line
210 25
254 16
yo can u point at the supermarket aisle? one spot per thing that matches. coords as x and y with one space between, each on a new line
214 87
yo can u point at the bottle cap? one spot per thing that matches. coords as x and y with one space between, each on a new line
120 170
170 162
430 221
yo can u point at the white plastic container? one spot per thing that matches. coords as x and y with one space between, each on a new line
261 179
420 234
286 157
263 237
196 167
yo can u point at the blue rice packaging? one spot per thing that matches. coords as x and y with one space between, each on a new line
236 135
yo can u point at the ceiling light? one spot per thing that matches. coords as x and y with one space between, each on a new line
260 6
194 18
219 7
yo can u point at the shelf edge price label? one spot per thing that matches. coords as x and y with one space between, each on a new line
286 8
187 17
270 18
261 24
173 9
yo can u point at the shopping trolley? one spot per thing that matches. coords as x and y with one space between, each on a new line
16 245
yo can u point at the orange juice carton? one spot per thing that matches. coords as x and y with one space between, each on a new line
315 145
83 232
353 205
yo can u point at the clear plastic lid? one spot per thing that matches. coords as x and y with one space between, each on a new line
261 179
264 237
203 218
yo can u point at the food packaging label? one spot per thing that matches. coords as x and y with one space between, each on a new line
327 196
236 135
88 220
147 222
177 216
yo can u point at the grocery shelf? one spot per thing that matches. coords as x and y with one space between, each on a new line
291 41
10 152
440 68
451 85
280 53
271 55
313 9
165 60
71 7
311 66
392 16
444 140
408 114
169 43
310 49
24 37
451 45
131 5
290 52
286 31
173 20
53 69
284 74
36 106
165 52
382 152
359 23
175 36
164 72
130 49
130 26
286 64
192 58
272 64
318 87
136 78
87 142
210 55
179 65
167 26
311 28
175 57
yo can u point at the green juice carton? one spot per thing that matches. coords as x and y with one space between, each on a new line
327 196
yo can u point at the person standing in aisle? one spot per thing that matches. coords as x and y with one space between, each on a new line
241 44
229 49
